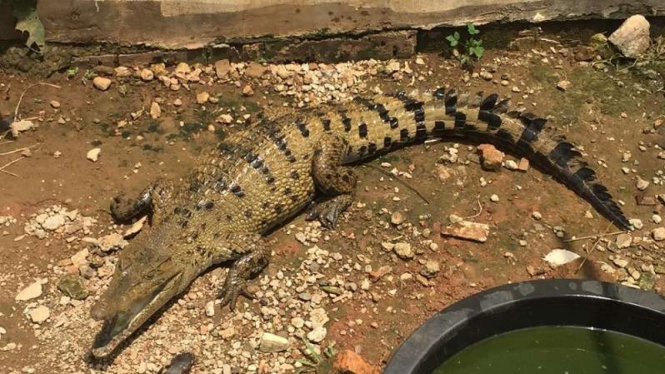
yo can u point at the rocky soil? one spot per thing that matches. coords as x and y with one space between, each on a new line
345 298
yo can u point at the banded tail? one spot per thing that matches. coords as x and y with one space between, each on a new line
386 122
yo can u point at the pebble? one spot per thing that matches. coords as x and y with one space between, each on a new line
317 335
563 85
33 291
54 222
511 165
247 90
273 343
55 104
537 216
641 184
93 154
155 110
349 362
396 218
73 286
210 308
624 240
656 218
620 262
636 223
632 37
404 251
430 269
39 314
477 232
318 317
122 72
101 83
558 257
491 158
147 75
111 242
202 97
494 198
658 234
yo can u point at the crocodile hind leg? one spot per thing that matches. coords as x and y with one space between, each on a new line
334 180
148 201
245 268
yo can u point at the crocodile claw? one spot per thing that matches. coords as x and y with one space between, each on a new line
328 212
233 288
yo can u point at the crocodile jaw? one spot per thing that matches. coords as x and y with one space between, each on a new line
118 327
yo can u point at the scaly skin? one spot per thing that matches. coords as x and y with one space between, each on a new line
255 180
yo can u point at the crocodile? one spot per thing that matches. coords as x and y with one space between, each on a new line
256 179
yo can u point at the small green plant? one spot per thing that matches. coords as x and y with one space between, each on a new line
472 47
316 362
89 74
72 71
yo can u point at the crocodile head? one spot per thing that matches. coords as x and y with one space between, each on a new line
152 270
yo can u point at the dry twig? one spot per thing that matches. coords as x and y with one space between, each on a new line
595 244
26 90
480 209
595 236
17 150
3 167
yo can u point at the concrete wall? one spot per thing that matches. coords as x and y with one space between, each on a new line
195 23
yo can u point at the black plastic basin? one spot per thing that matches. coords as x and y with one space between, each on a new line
559 302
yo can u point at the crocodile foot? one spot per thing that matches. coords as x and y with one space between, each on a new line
329 211
234 286
124 209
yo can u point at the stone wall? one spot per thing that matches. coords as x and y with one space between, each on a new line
196 23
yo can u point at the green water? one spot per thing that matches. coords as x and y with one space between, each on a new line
558 350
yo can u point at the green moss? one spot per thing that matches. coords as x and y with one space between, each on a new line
587 83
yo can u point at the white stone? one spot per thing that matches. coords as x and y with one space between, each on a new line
317 335
658 234
318 317
123 71
93 154
210 308
39 314
624 240
558 257
33 291
632 37
511 165
297 322
273 343
54 222
620 263
155 110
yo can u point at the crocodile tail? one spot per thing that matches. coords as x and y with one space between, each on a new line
526 134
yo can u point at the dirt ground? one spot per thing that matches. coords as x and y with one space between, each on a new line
377 298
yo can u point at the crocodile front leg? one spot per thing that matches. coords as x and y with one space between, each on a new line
150 201
253 258
244 269
332 179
